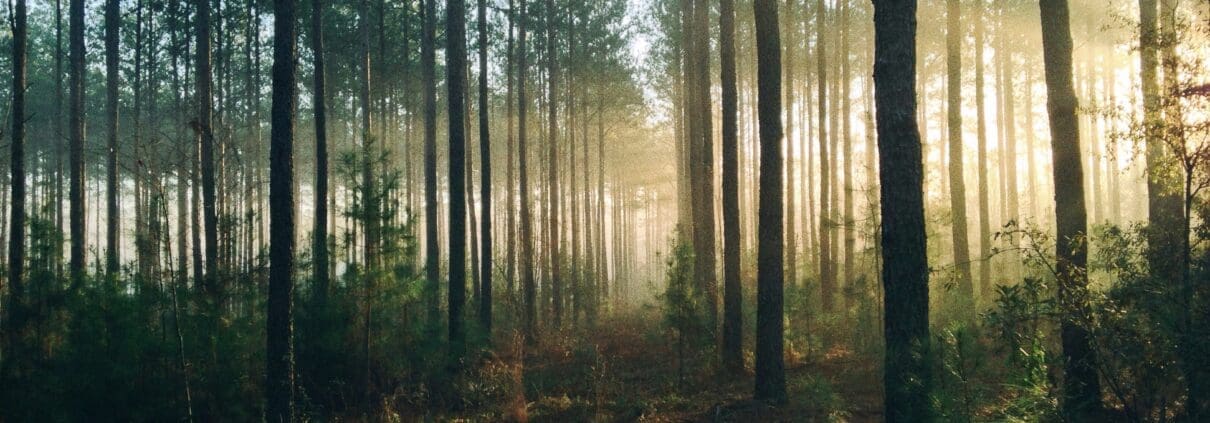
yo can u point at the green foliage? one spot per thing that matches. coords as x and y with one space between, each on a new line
1022 320
684 309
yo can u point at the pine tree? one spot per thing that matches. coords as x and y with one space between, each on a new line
279 366
1081 387
905 270
770 365
733 337
455 33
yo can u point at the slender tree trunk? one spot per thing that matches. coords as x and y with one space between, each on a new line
370 195
432 243
279 366
953 37
455 32
733 337
529 320
1081 388
1163 205
846 87
702 166
905 272
485 184
827 278
76 130
981 124
319 247
112 216
511 246
205 101
770 366
553 166
788 86
14 308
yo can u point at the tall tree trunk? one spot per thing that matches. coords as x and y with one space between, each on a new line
788 86
770 365
529 320
702 166
905 272
511 225
485 184
827 278
846 87
112 216
455 68
733 336
14 308
552 108
1163 204
205 102
953 46
319 247
1081 388
981 128
432 243
59 138
76 129
370 194
279 352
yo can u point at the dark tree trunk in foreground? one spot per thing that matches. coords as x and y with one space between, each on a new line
76 133
485 184
733 336
319 249
455 73
528 285
432 243
112 214
279 366
901 176
1081 389
205 130
770 365
16 240
953 56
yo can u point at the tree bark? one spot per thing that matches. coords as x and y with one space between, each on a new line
733 337
770 365
1081 388
205 101
319 247
953 44
905 272
112 216
527 239
279 351
981 129
1163 203
455 32
552 108
827 277
76 133
432 242
485 185
15 316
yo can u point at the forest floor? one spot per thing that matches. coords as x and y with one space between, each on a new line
627 369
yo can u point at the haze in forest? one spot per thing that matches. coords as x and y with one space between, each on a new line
608 210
